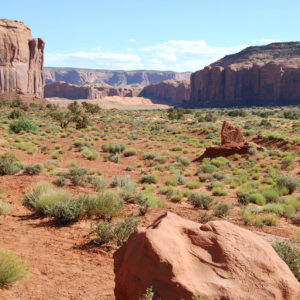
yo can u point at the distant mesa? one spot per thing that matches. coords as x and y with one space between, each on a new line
88 91
262 76
110 77
180 259
21 60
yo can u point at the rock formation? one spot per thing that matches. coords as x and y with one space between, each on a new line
89 91
168 91
21 60
114 78
232 142
265 75
231 134
179 258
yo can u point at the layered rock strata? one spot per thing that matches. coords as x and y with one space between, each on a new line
265 75
21 60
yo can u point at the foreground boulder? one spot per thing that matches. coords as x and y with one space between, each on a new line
21 60
265 75
179 258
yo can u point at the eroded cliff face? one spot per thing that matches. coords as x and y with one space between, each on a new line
89 91
266 75
21 60
113 78
169 91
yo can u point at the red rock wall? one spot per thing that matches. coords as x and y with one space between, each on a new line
21 60
168 91
268 75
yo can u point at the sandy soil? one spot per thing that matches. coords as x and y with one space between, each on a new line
114 102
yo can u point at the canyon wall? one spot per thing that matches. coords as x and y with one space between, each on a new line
169 92
265 75
113 78
89 91
21 60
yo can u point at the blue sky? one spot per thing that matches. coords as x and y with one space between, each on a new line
158 34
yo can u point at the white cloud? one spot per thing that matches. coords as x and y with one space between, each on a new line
132 40
188 55
175 55
95 59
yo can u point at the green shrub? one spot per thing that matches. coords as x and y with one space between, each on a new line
33 196
49 199
21 125
90 153
16 114
33 169
206 168
222 209
257 198
148 295
204 218
166 190
98 183
270 220
60 181
4 207
271 195
66 210
113 233
171 182
182 160
218 191
129 152
114 157
290 255
177 197
194 184
9 164
149 155
77 175
106 204
288 182
149 179
11 268
146 198
200 200
113 147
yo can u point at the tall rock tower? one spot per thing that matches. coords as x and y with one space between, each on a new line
21 60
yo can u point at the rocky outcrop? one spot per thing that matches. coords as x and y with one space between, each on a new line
231 134
93 91
168 91
266 75
21 60
232 142
179 258
114 78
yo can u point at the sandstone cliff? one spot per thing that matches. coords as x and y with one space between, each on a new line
114 78
89 91
21 60
168 91
265 75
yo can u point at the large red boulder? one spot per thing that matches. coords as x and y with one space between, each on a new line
179 258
